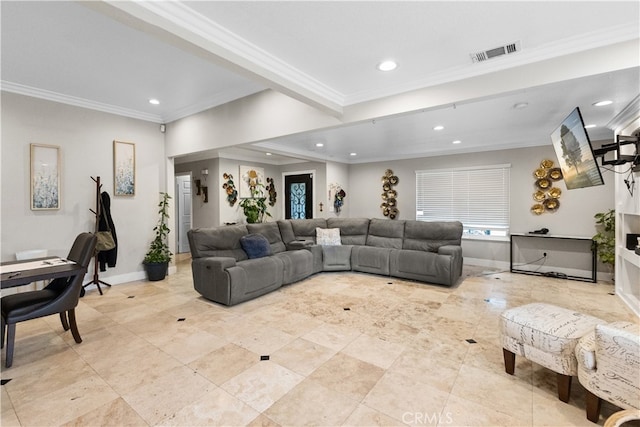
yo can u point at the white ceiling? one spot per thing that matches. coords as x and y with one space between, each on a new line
114 56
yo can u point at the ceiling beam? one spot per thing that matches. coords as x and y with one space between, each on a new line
181 26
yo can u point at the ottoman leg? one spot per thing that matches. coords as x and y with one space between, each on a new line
593 407
509 361
564 387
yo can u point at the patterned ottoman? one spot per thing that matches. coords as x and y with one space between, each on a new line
547 335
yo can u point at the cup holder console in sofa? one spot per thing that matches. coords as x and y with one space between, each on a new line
429 252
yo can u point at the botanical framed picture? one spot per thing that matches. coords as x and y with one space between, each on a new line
253 182
45 177
124 168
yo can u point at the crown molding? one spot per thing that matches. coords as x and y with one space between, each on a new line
48 95
628 114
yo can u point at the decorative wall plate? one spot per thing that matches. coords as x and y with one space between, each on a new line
555 174
546 164
540 173
538 196
551 205
537 209
543 183
555 192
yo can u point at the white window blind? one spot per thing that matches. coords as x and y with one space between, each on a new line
477 197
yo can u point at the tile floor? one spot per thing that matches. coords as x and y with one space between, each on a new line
344 349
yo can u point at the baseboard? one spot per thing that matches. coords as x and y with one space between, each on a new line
504 266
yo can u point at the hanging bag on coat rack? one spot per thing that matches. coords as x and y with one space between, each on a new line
105 238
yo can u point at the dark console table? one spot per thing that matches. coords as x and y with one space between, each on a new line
550 240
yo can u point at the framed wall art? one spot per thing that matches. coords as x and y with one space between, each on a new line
45 177
124 168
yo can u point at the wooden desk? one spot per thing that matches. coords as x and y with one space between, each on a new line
46 272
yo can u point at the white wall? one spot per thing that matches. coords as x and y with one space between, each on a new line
362 183
86 141
218 211
338 173
574 217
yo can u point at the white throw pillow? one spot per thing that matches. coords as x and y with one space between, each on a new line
328 236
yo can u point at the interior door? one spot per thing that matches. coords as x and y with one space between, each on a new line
298 196
183 191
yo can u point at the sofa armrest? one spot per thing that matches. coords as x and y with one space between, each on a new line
450 250
299 244
617 347
586 351
216 263
211 279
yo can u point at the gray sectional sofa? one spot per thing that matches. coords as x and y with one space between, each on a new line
223 272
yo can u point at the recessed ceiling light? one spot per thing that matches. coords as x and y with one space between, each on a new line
603 103
457 141
589 126
319 144
520 105
387 65
353 154
439 127
268 154
154 101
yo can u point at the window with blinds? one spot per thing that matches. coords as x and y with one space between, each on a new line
477 197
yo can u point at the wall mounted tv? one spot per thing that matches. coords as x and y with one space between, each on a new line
575 154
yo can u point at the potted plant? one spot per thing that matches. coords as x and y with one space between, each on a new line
255 207
606 237
157 260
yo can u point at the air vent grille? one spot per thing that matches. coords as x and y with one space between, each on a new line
496 52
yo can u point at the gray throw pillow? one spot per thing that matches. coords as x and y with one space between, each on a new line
255 245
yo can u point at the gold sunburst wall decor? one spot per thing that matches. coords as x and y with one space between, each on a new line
546 195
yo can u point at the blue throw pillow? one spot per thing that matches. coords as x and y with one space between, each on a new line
255 245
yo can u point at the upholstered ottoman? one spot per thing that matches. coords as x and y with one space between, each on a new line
547 335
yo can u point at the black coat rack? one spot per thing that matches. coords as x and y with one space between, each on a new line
96 271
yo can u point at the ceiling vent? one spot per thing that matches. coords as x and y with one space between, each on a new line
496 52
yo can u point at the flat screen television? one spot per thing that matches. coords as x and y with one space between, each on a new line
575 154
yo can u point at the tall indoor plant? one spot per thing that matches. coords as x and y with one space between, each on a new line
606 237
255 207
157 260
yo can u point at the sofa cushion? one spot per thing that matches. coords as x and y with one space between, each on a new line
370 259
271 231
336 258
297 265
429 236
385 233
353 231
255 245
305 229
328 236
217 242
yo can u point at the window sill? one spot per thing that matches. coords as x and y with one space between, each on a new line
486 238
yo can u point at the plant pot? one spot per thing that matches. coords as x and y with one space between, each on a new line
156 270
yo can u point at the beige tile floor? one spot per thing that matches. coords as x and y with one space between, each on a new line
155 353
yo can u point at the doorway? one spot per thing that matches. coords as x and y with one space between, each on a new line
183 211
298 196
